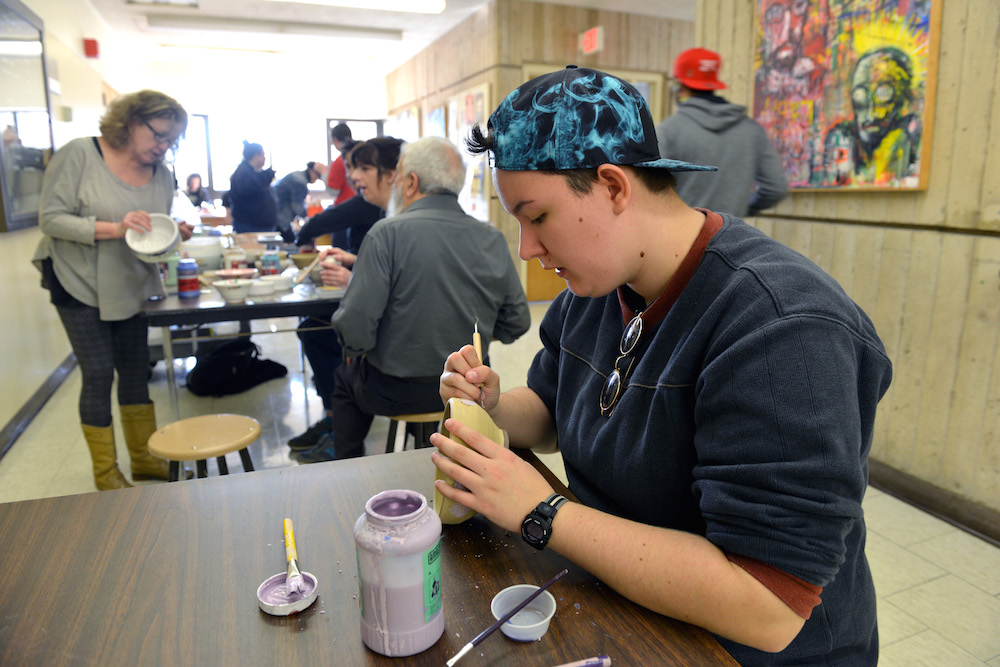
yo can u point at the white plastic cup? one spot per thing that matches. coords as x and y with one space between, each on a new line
530 623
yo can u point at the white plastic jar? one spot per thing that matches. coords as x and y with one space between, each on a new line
398 541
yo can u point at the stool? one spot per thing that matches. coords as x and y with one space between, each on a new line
201 438
424 423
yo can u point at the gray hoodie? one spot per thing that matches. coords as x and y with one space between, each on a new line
713 131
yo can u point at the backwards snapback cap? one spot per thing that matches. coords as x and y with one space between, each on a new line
698 69
576 118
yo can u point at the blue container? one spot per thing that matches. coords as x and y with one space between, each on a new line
188 286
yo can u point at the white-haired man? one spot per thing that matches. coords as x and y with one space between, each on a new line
424 278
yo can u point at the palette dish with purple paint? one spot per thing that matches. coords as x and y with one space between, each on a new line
275 599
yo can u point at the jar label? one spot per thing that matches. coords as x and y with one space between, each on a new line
432 581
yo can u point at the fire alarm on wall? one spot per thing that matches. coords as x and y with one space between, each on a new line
90 48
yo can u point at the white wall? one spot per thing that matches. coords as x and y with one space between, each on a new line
279 101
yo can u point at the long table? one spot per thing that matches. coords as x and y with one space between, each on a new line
305 300
168 573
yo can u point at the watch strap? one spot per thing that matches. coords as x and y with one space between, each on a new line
542 516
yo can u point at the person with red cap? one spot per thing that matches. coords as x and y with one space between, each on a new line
709 128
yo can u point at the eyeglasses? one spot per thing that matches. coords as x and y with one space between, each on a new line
615 384
160 137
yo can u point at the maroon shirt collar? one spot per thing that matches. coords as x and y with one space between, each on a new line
663 303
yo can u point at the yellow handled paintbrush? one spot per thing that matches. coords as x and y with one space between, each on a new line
293 580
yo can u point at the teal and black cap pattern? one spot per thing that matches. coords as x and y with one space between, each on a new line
576 118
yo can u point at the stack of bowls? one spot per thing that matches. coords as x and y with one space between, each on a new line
157 244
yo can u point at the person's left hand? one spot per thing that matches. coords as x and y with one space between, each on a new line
186 230
499 484
334 275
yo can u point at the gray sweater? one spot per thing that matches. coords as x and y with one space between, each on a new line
422 280
78 190
750 177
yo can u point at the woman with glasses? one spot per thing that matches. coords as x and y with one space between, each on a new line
96 188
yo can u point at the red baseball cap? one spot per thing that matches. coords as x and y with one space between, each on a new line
698 69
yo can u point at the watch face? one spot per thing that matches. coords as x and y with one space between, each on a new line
533 529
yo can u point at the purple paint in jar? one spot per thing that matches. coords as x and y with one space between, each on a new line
188 286
398 541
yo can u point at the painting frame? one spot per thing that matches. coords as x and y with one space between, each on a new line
846 90
464 110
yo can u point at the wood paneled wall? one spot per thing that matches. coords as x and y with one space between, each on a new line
493 45
925 266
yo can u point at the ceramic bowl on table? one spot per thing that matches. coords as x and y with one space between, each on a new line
261 287
280 281
205 250
233 290
157 244
228 274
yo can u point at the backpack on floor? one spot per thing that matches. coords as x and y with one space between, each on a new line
231 368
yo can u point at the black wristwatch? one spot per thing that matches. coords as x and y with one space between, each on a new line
536 529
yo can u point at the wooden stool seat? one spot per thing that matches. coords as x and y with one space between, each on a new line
425 423
201 438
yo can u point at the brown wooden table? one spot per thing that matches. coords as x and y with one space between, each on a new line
168 573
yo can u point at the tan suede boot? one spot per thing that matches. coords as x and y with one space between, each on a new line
101 441
138 423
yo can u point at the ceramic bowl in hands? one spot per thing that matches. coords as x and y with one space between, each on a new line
529 624
233 290
158 243
471 414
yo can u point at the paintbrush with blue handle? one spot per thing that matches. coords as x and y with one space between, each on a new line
506 617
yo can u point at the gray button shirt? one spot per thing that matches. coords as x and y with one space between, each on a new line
421 281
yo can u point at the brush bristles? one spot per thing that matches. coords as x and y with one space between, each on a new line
294 583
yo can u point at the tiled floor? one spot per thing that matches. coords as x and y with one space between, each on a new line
939 587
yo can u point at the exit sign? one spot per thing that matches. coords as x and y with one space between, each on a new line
592 40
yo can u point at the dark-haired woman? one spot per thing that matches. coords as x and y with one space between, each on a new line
196 192
95 188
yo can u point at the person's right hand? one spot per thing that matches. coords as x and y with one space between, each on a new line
465 376
137 220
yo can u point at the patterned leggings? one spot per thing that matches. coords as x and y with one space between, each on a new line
101 348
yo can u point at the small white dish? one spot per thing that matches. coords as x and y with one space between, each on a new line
261 287
532 622
281 281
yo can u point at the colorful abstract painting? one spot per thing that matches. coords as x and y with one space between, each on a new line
845 89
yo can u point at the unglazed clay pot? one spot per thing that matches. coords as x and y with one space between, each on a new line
473 415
